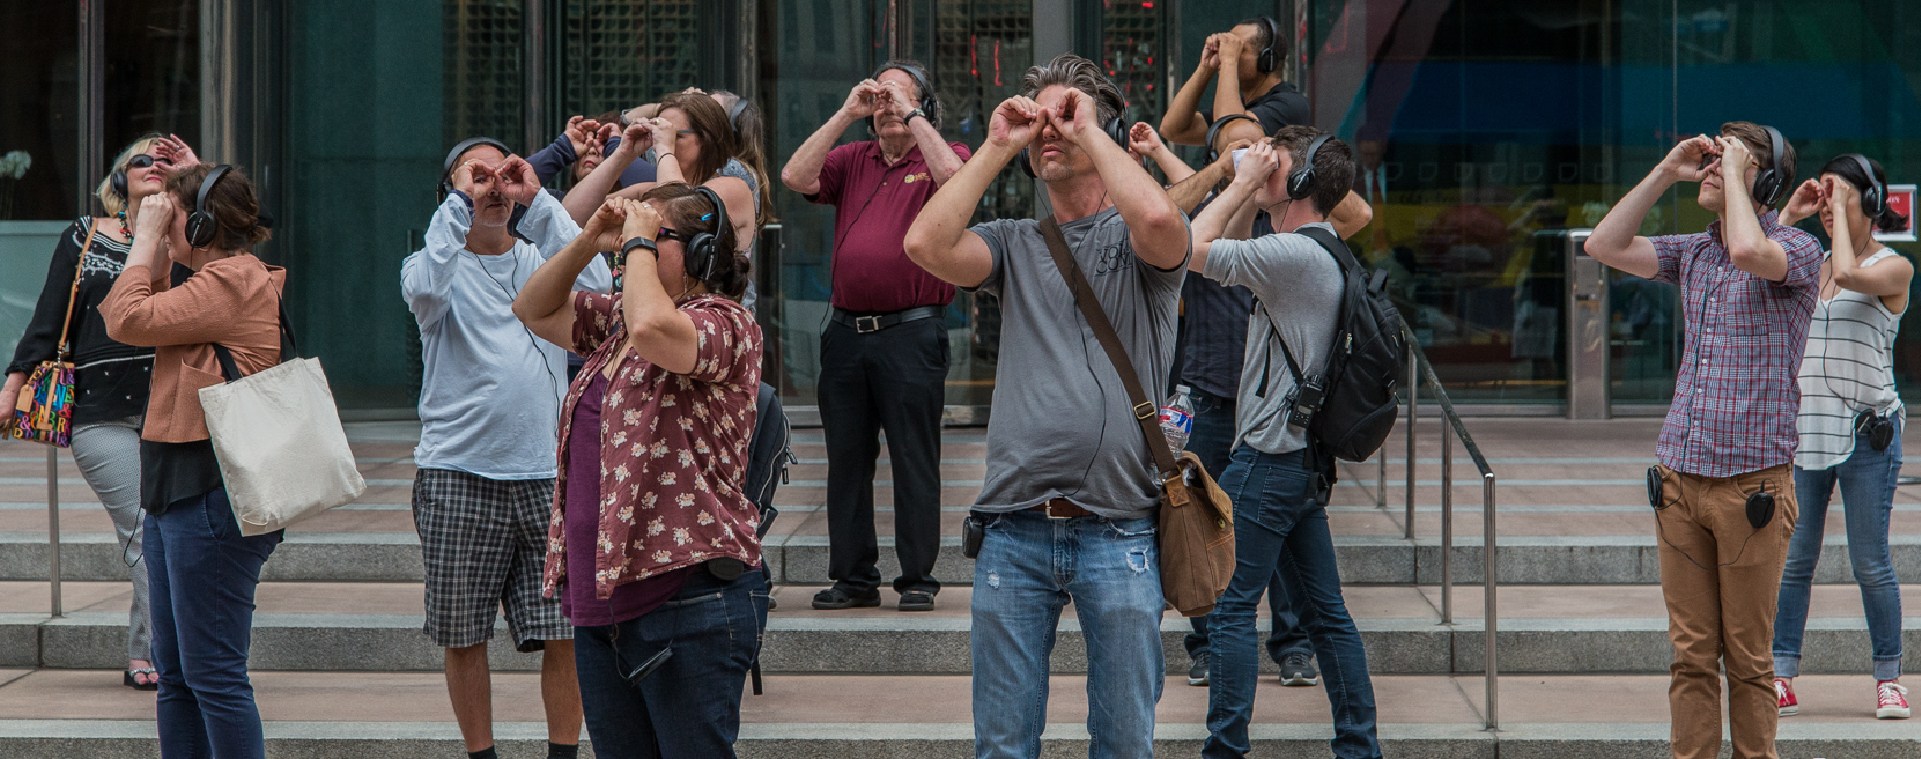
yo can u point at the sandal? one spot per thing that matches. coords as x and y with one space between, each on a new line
132 679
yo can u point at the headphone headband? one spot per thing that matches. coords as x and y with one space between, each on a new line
703 249
1270 57
1875 200
447 167
929 104
201 225
1767 184
1300 182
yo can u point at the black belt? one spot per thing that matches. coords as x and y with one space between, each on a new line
878 322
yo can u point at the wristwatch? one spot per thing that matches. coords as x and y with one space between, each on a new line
909 118
638 242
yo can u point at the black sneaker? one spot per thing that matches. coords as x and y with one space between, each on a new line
1197 674
1297 668
836 598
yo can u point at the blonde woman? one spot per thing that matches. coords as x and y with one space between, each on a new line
110 377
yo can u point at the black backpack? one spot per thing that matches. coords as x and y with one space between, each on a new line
768 455
1350 404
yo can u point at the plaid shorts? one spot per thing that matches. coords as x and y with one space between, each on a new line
485 547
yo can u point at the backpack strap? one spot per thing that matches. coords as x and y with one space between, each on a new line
1343 261
1146 411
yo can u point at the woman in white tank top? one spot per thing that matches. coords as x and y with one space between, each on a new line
1847 392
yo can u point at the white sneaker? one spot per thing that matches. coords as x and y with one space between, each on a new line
1890 701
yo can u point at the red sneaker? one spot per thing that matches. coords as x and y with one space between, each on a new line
1890 700
1785 692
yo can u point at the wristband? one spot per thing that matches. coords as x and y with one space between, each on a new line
638 242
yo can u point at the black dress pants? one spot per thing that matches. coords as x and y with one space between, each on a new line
894 379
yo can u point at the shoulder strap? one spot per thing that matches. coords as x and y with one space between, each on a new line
73 293
1146 411
231 370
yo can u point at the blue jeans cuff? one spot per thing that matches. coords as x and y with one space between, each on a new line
1887 669
1790 666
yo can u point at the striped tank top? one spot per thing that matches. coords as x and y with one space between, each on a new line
1848 367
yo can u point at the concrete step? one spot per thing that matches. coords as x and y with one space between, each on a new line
53 714
376 627
802 559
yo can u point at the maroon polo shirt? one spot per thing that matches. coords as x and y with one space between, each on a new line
874 204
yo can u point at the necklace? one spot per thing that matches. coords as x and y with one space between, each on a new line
123 226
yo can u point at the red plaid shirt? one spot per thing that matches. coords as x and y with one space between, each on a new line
674 447
1736 398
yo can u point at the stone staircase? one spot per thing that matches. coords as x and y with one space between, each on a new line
342 669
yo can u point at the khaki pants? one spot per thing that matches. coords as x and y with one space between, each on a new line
1721 578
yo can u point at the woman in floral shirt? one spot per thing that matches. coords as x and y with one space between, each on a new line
653 543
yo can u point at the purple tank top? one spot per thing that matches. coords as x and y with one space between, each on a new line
582 518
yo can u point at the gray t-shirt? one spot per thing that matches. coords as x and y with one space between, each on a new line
1062 426
1297 289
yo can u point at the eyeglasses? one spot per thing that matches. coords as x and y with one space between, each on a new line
685 132
669 233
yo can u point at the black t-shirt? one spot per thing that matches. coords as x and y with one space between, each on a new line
110 379
1278 107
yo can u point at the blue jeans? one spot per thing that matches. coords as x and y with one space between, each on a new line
202 574
1029 567
1280 521
689 706
1213 441
1867 481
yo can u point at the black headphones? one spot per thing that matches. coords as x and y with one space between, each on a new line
703 248
201 225
1214 130
1270 57
734 111
1300 182
929 105
1874 200
447 167
1767 184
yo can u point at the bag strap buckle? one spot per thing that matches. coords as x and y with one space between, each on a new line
1144 410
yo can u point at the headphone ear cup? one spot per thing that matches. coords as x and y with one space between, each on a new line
1767 185
1300 184
1027 167
119 183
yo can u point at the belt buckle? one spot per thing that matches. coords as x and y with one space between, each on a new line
1048 509
866 324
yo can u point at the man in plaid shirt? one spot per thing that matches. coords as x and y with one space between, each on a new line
1748 288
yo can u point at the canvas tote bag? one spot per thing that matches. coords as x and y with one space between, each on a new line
277 435
1197 519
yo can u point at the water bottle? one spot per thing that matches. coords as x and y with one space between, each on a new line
1177 418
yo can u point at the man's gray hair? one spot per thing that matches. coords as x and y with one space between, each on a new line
1070 70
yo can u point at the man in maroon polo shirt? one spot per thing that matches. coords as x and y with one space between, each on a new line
883 357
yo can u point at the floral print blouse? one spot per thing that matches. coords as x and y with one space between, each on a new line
673 447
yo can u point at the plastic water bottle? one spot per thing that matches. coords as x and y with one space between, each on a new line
1177 418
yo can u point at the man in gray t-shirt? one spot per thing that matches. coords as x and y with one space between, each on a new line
1068 473
1275 477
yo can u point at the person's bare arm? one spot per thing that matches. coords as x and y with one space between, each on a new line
590 193
1156 228
1889 277
941 160
802 172
1183 124
1213 223
1615 241
938 240
1144 142
1748 245
668 169
1228 98
545 303
1188 193
656 329
1351 216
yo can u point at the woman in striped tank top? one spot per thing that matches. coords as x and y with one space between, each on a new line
1850 421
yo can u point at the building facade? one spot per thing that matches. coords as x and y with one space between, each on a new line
1490 131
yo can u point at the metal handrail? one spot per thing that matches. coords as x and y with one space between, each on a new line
1419 369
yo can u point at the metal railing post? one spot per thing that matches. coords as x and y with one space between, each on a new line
1413 416
1490 588
1447 527
1380 481
53 526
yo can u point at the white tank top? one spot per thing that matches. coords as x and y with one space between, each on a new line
1848 368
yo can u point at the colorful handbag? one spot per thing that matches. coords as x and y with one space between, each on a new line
44 411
